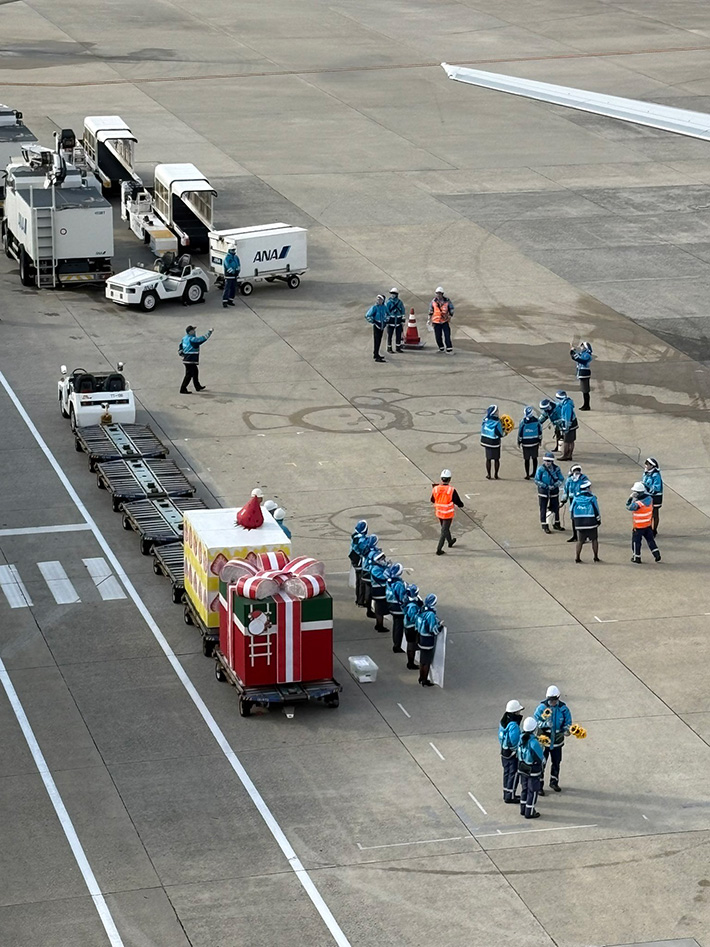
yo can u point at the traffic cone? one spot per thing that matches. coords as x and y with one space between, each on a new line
411 339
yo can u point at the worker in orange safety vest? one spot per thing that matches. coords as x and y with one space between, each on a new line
445 499
640 504
441 312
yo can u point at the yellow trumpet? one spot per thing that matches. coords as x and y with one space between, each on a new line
546 714
577 731
507 423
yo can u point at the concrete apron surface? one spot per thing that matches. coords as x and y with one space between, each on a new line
545 227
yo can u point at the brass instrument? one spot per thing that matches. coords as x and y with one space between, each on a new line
577 731
507 423
547 713
543 739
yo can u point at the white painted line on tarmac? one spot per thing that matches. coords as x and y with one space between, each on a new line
37 530
273 826
439 754
59 583
554 828
404 711
14 588
62 814
605 621
478 803
104 580
426 841
644 816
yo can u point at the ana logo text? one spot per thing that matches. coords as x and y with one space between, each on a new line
262 256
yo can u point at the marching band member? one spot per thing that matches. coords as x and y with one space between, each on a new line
428 627
653 481
359 543
395 595
509 738
570 488
548 479
412 607
583 357
567 423
378 586
530 438
586 519
366 567
530 769
491 435
554 720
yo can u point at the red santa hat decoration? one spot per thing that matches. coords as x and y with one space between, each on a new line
251 516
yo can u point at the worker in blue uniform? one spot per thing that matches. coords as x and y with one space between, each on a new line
377 316
509 738
554 720
428 627
280 516
549 414
359 542
567 423
640 505
492 434
395 320
529 439
586 519
582 357
573 481
395 596
549 478
366 566
378 589
412 606
530 768
232 267
653 481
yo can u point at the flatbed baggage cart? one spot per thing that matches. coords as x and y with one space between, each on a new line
106 442
285 695
170 561
210 636
158 522
128 480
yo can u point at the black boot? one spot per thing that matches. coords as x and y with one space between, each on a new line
411 665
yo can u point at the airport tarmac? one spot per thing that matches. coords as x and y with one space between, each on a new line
137 807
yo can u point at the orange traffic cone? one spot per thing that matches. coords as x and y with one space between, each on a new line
411 339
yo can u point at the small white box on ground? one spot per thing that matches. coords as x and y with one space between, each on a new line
363 668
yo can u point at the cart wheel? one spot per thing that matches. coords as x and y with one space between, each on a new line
156 567
332 700
145 546
126 523
149 301
99 482
77 447
244 707
92 464
177 596
194 292
218 672
116 504
187 617
246 289
207 647
293 282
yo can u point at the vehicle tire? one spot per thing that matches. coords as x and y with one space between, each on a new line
219 672
72 420
99 482
177 595
187 617
27 275
156 568
246 289
194 293
293 282
6 241
126 523
145 546
62 410
244 707
207 647
116 504
149 301
332 700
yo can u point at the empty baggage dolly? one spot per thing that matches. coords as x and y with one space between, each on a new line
140 479
170 561
158 522
105 442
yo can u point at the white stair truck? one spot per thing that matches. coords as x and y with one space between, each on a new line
109 148
57 225
13 135
269 252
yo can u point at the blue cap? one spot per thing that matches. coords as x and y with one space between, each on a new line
361 526
430 601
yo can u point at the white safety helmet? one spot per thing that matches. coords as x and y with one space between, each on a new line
258 492
439 289
394 291
513 707
446 474
553 691
638 487
270 505
380 296
529 725
279 514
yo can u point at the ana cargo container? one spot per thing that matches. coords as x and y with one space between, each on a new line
267 253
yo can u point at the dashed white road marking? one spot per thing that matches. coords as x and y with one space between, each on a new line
38 530
404 711
104 580
438 753
426 841
14 588
554 828
605 621
59 583
478 803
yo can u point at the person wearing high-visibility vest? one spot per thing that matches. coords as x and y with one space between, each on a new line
640 504
441 312
445 499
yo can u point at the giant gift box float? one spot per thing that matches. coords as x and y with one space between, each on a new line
276 619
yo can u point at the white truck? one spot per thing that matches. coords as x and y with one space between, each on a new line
86 397
269 252
13 135
170 280
57 225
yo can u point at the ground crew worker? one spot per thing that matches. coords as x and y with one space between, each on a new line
491 435
550 411
554 719
428 627
640 503
378 590
586 519
445 498
530 438
376 315
573 481
583 357
395 595
548 478
395 320
365 587
567 423
280 516
441 311
232 265
530 766
509 737
190 353
412 606
359 543
653 481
